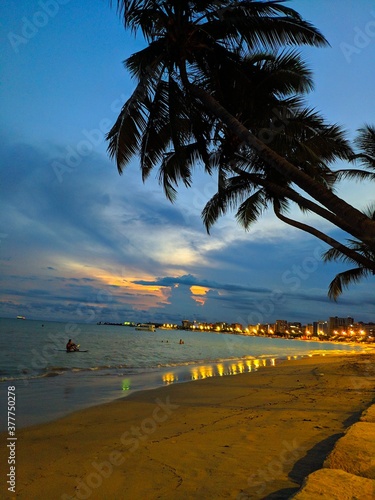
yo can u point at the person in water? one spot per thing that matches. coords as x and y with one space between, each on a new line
71 346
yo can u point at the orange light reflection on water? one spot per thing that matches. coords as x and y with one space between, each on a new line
221 369
169 378
199 372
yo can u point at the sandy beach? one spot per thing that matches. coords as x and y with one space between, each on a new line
254 435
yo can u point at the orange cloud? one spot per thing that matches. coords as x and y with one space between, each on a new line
199 293
143 296
199 290
139 296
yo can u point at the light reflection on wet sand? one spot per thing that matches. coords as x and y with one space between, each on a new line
198 372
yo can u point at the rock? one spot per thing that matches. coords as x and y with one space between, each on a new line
368 415
333 484
355 451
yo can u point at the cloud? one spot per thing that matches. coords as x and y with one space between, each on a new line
113 246
190 280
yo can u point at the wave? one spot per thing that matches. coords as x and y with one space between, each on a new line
126 369
54 371
15 378
143 368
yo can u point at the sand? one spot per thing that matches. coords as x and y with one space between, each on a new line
252 435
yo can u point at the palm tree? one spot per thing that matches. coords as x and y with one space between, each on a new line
195 37
304 138
179 101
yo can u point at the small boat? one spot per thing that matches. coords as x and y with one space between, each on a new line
21 317
146 327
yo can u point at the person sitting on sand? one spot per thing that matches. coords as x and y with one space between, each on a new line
71 346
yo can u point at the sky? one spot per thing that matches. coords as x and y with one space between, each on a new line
80 243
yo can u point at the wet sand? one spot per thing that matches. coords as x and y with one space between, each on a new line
254 435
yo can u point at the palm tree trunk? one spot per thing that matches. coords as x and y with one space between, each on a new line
358 224
291 194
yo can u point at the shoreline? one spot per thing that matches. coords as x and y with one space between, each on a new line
63 394
75 391
254 435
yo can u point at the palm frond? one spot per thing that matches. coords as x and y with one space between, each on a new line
283 73
251 209
156 137
343 280
365 141
355 174
231 192
177 166
125 135
266 24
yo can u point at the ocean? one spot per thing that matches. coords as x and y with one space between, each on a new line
50 383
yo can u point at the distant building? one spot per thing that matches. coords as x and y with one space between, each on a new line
294 324
320 328
309 329
281 326
367 329
186 324
336 325
237 327
295 329
221 326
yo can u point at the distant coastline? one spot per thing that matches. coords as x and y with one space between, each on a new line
348 331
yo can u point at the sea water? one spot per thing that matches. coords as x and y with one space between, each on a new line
49 382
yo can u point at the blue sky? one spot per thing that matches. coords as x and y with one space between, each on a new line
78 242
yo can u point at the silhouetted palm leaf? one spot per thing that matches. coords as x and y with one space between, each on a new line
346 278
365 141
